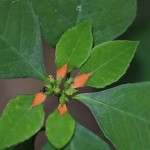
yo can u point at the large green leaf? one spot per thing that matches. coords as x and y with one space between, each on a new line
20 121
59 129
74 46
123 113
83 139
108 62
20 41
109 18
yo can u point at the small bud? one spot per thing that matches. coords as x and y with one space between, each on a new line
61 72
81 80
62 109
68 82
38 99
70 92
49 89
52 80
63 99
56 90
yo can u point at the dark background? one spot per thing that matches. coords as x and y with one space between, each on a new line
138 71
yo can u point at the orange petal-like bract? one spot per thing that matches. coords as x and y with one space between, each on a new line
61 72
81 80
62 109
38 99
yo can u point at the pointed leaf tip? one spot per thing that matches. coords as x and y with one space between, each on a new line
62 109
38 99
61 72
81 80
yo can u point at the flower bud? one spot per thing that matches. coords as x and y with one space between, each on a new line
68 82
52 80
56 90
70 92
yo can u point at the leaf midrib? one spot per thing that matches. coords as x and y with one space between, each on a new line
111 107
78 16
110 60
25 59
17 122
75 48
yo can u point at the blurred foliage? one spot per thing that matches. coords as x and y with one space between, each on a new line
139 31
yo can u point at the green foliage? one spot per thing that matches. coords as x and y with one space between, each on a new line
109 18
82 139
59 129
20 41
123 114
108 62
74 46
20 121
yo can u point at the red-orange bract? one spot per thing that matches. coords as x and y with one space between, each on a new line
61 72
62 109
38 99
81 80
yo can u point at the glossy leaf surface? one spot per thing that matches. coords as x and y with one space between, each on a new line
108 62
82 139
109 18
60 129
20 41
20 121
123 114
74 46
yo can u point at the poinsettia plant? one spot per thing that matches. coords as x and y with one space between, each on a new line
121 112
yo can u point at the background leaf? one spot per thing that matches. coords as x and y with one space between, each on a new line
108 18
20 121
108 62
26 145
123 114
20 41
82 139
59 129
74 46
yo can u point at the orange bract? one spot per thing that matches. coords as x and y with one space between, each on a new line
62 108
38 99
81 80
61 72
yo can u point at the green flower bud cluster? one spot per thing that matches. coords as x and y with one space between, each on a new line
53 88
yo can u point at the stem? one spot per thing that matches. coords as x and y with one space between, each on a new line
68 75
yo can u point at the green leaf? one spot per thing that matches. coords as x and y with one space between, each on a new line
108 18
20 41
83 139
20 121
108 62
74 46
123 114
59 129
